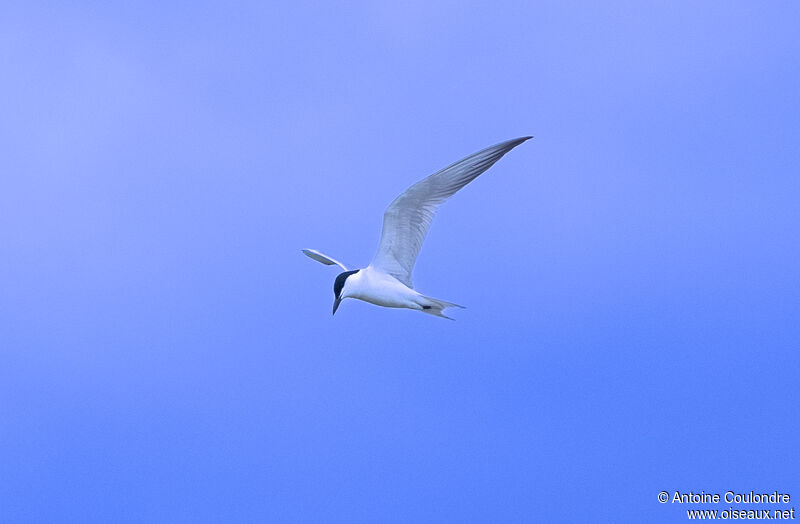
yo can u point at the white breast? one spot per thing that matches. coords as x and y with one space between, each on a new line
381 289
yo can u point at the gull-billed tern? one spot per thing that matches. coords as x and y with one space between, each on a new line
386 281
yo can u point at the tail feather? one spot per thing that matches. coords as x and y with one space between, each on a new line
434 307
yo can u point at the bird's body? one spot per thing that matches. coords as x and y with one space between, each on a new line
387 280
382 289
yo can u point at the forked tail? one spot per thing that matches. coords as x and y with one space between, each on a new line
434 306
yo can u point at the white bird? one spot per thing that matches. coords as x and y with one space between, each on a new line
387 280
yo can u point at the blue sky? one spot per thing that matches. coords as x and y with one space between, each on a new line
631 274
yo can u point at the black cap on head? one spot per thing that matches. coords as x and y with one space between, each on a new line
338 284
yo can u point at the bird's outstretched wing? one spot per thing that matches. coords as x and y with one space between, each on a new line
408 217
325 259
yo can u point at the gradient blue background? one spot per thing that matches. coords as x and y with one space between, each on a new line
631 274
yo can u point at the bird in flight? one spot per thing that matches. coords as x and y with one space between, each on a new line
386 281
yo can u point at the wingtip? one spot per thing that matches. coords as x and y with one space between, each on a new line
517 141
